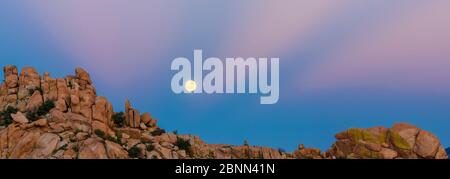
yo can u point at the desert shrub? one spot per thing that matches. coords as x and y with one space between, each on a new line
75 148
32 90
246 143
100 133
45 108
134 152
119 119
64 147
150 147
183 144
72 139
116 139
158 132
32 116
70 85
41 111
5 116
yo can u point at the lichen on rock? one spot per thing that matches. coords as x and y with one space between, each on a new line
80 124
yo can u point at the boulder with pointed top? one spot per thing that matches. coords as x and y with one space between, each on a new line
132 116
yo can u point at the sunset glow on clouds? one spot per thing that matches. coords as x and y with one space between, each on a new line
134 36
110 36
409 51
271 27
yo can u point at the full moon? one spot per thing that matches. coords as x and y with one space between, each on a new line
190 86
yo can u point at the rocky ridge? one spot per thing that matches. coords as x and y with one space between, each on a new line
63 118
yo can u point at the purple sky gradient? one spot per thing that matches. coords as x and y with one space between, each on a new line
347 63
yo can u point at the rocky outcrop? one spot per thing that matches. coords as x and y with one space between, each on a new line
308 153
10 86
132 116
402 141
63 118
102 112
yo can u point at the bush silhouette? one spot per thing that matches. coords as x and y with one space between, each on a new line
158 132
5 115
134 152
99 133
119 119
183 144
41 111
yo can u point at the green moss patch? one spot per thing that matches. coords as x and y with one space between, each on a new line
398 141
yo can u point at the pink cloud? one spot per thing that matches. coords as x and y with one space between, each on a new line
120 40
268 28
406 53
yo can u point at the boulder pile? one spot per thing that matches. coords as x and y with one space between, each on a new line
402 141
63 118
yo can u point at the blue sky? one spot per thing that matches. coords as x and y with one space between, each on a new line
343 63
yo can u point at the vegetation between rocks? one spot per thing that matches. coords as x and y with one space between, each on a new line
134 152
31 91
76 140
5 115
100 133
158 132
41 111
116 139
119 119
150 147
183 144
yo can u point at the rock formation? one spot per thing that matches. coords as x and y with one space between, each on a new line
402 141
63 118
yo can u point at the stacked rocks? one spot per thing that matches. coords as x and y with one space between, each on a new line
63 118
